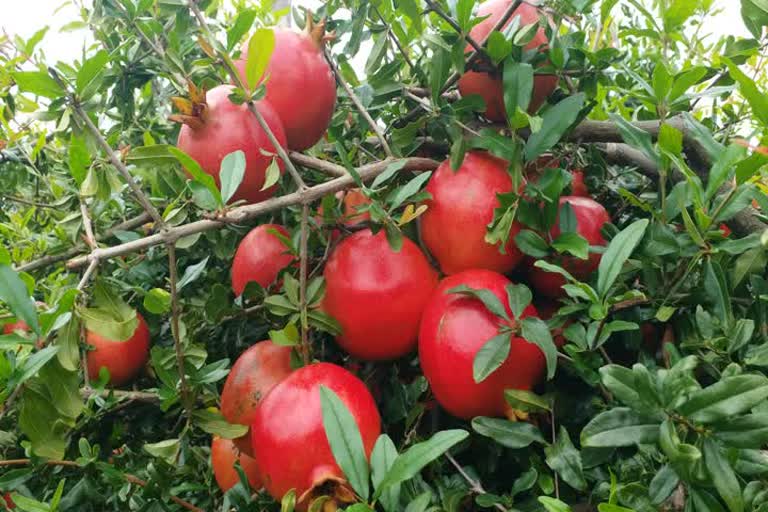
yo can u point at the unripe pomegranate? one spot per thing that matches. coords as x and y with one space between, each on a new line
489 86
292 447
301 86
260 257
454 226
123 359
362 275
253 375
453 330
224 453
215 127
590 217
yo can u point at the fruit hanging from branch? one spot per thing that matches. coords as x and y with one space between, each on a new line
213 127
124 359
260 257
224 454
300 84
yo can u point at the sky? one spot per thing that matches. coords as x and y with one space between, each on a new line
26 17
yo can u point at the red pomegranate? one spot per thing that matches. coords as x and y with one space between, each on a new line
9 504
453 330
18 325
224 453
260 257
489 86
215 127
590 216
534 169
293 450
123 359
301 86
253 375
362 275
454 226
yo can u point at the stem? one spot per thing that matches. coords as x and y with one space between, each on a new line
175 328
303 253
87 226
455 26
475 486
554 440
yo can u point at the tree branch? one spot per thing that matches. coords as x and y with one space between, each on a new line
175 312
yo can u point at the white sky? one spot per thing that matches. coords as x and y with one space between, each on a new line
28 16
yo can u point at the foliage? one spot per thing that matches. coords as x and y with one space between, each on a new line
619 426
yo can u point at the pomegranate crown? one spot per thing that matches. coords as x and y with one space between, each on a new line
191 109
316 31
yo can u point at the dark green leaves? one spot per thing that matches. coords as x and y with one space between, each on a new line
38 83
489 300
564 458
618 252
723 476
518 86
14 293
382 457
197 173
531 244
345 441
232 173
726 398
757 99
555 122
507 433
491 356
535 330
620 427
519 297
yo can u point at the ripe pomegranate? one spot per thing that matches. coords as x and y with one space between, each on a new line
293 450
253 375
301 86
534 169
590 217
363 274
454 226
489 86
123 359
260 257
224 453
213 127
453 330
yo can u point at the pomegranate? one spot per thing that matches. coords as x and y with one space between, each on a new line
301 86
9 504
293 450
363 274
224 453
123 359
253 375
590 217
453 330
725 230
213 127
454 226
534 169
489 86
260 257
351 215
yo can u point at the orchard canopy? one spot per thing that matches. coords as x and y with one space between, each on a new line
386 255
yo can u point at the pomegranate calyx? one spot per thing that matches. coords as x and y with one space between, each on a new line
325 483
316 31
192 110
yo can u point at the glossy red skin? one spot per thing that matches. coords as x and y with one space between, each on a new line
301 87
260 257
293 450
363 275
590 216
454 226
490 87
253 375
123 359
453 329
224 453
228 127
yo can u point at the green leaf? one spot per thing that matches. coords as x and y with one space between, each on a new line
662 81
567 220
35 362
388 173
409 189
553 504
192 273
491 356
286 337
532 244
555 122
565 459
757 99
618 252
723 168
38 83
749 431
260 48
439 70
197 173
214 423
723 476
663 484
717 291
519 297
526 401
157 301
242 24
726 398
377 53
671 139
518 86
620 426
572 243
345 440
418 456
14 293
535 330
635 137
90 75
232 173
288 503
511 434
382 457
79 159
167 450
487 297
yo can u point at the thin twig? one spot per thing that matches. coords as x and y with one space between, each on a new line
175 311
88 273
475 486
303 257
359 105
455 26
87 225
393 37
27 202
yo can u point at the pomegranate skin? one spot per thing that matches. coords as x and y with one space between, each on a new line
9 504
260 257
590 216
293 450
453 329
260 368
489 87
301 87
123 359
578 187
228 127
454 226
224 453
361 276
